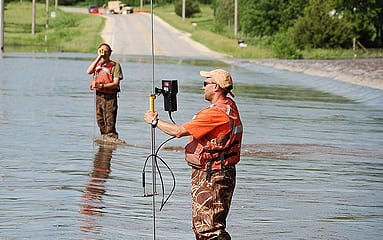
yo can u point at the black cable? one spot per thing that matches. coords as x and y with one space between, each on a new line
155 155
170 116
163 202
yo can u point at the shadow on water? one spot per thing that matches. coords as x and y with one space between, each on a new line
92 203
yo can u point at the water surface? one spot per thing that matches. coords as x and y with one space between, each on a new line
311 167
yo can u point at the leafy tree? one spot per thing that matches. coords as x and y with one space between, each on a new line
224 12
268 17
260 18
321 27
161 2
284 47
191 7
291 10
366 17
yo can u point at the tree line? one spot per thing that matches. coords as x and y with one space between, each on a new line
288 24
307 23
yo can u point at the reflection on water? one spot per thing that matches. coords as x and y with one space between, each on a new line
311 167
92 197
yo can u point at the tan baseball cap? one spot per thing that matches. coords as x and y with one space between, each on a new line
221 77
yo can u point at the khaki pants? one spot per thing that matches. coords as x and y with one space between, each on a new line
211 202
106 113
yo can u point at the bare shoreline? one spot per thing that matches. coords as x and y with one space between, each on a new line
366 72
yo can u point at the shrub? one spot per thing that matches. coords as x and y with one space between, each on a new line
284 47
191 7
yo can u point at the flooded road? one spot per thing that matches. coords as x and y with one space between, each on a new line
311 167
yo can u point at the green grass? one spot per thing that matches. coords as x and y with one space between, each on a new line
71 32
342 53
224 42
203 33
67 32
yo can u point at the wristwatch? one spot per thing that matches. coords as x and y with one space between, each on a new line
154 122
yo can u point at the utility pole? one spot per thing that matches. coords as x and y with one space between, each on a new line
46 14
235 19
33 16
1 26
183 9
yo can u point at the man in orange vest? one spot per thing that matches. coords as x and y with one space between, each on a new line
107 75
212 152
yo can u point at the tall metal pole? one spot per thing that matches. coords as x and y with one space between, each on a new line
1 25
235 19
46 14
33 16
183 9
153 132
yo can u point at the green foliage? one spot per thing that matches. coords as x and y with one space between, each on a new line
206 1
321 27
265 18
81 32
203 33
284 47
367 19
291 10
160 2
255 19
224 13
191 7
268 17
67 32
355 18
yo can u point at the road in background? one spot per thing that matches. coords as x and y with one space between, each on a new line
132 35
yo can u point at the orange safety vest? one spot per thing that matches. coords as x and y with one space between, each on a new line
215 154
103 75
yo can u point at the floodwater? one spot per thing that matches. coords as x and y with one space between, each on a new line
312 165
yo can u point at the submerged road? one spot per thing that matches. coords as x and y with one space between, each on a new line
132 35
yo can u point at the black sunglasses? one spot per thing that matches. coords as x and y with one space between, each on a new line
207 83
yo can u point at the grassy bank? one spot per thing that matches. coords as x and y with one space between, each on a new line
225 42
202 33
66 32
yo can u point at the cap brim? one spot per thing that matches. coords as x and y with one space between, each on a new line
204 73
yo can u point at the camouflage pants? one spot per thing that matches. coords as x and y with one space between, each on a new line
106 113
211 202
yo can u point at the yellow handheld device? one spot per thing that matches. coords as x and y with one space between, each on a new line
151 102
102 52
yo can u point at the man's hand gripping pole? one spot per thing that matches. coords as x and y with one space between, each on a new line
152 97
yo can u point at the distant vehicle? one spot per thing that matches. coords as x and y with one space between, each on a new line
93 9
117 7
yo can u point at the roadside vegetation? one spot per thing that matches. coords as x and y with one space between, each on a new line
199 26
309 29
295 32
66 32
